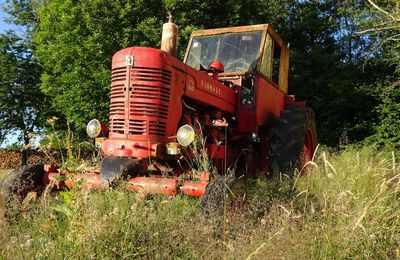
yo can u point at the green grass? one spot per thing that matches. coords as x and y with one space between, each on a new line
348 206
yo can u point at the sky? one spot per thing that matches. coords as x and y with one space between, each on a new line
3 25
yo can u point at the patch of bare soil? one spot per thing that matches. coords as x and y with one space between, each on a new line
10 159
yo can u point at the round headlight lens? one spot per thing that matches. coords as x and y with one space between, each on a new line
93 128
185 135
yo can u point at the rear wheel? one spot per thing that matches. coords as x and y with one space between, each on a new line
293 141
18 185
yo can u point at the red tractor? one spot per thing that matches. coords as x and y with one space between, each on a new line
231 90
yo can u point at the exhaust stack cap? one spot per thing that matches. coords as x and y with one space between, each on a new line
169 39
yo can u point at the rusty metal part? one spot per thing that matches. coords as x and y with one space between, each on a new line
165 186
260 27
194 188
169 186
63 180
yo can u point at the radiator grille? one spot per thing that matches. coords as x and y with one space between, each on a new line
117 125
118 77
151 75
138 127
149 94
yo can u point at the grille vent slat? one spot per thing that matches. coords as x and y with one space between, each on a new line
117 91
151 75
117 125
118 74
149 96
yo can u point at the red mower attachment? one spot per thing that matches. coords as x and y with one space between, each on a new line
170 186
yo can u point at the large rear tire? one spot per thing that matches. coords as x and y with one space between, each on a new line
17 185
293 141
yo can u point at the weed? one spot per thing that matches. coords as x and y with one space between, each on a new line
196 156
65 150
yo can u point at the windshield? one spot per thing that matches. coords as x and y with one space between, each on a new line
237 51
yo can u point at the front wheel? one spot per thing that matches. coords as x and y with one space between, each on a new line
293 141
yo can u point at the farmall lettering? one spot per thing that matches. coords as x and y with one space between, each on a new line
191 85
210 87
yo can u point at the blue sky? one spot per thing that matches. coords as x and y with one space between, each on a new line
3 26
6 26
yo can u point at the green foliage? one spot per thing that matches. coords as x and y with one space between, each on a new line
191 15
21 101
387 131
64 207
322 73
76 49
381 23
22 12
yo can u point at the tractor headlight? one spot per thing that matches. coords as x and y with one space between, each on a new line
185 135
93 128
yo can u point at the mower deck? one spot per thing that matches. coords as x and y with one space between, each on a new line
158 184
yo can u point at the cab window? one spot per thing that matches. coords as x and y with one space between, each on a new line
237 51
266 67
271 59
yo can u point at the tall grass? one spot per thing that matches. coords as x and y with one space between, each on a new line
67 151
355 198
347 206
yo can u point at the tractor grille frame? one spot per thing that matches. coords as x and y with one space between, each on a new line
140 99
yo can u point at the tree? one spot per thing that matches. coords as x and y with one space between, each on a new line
322 73
380 21
21 101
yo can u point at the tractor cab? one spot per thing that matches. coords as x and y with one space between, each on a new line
255 61
242 50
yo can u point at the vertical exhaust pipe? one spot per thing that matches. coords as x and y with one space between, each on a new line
169 39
